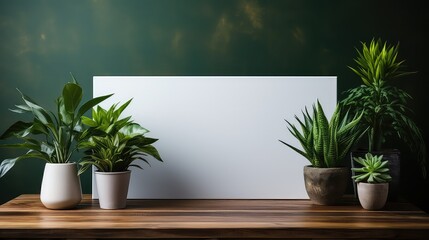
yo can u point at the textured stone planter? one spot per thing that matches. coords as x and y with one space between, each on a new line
372 196
326 186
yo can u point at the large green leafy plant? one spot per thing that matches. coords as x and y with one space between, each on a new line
384 107
325 143
49 136
373 170
112 144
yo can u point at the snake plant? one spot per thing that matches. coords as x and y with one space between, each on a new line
112 144
373 169
384 107
52 137
325 143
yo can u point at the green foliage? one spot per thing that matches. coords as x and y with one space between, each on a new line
373 169
50 136
325 143
112 144
384 107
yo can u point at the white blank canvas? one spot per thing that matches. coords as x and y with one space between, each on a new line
218 136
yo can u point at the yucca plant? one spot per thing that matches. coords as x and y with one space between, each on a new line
112 144
384 107
373 170
325 143
52 137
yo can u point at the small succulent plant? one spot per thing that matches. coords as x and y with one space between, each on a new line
373 170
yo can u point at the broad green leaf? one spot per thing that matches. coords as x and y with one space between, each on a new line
72 95
91 103
39 112
16 128
65 116
6 165
88 121
133 129
149 149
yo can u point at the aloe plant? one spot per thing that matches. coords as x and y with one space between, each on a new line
384 107
112 144
325 143
50 136
373 169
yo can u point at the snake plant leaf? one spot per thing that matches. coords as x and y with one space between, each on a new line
325 143
304 154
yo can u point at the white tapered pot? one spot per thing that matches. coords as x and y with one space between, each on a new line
61 187
112 188
372 196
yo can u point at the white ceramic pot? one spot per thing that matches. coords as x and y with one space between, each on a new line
112 188
372 196
61 187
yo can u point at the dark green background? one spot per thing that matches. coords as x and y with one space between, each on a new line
43 40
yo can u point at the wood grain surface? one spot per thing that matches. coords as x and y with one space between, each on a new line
25 217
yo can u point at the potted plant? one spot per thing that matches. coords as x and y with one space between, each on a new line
384 107
325 143
52 137
112 145
372 181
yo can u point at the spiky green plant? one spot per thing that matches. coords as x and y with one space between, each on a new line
112 144
384 107
52 137
325 143
373 169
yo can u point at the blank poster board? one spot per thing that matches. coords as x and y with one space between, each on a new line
218 136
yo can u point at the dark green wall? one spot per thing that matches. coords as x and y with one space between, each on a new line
43 40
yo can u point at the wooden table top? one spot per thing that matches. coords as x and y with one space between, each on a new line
25 217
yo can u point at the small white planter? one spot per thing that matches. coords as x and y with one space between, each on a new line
112 189
372 196
61 187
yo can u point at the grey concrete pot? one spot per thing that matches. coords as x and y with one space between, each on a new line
372 196
112 188
325 186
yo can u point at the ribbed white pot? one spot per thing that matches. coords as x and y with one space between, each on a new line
372 196
61 187
112 188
